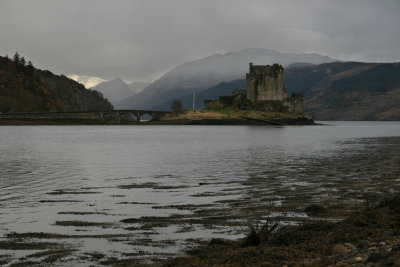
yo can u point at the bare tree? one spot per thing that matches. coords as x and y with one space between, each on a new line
177 106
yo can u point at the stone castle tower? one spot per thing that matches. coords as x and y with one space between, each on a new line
265 83
265 91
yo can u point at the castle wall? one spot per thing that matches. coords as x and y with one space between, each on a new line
239 93
227 101
265 83
251 88
296 104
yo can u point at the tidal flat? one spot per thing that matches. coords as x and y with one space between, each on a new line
156 219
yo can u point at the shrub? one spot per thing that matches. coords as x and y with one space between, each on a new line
177 106
215 105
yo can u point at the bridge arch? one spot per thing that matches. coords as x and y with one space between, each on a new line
146 116
139 115
133 117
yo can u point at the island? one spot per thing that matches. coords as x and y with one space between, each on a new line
264 102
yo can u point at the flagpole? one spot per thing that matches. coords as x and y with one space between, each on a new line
194 97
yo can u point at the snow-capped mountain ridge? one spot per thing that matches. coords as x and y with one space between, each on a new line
87 81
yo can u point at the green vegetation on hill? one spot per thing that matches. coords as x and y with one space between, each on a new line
24 88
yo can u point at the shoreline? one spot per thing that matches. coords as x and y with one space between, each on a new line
244 121
369 237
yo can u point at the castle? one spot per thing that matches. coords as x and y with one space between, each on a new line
265 91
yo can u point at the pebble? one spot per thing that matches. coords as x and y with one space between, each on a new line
363 243
349 245
339 249
349 255
354 250
389 261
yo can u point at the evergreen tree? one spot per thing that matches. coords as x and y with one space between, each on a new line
22 62
17 61
6 63
16 58
30 70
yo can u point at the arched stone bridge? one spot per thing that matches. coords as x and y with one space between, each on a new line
129 114
102 117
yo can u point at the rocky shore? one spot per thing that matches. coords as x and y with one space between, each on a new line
367 238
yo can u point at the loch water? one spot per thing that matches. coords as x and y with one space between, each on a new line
110 174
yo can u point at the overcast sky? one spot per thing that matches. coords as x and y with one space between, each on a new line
134 38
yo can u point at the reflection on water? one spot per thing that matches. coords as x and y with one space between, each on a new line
107 174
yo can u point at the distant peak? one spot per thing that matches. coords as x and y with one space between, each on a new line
87 81
118 79
255 50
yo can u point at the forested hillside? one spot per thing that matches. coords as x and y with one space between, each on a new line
23 88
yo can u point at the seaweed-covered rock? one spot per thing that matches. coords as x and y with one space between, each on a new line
393 204
314 209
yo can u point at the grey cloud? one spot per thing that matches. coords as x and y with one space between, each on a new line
133 39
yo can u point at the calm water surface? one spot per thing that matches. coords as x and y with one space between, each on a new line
50 174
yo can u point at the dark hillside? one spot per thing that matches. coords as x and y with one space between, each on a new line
379 79
24 88
348 90
300 79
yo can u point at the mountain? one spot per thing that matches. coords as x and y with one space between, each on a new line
201 74
87 81
299 65
348 90
137 87
115 90
333 91
24 88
